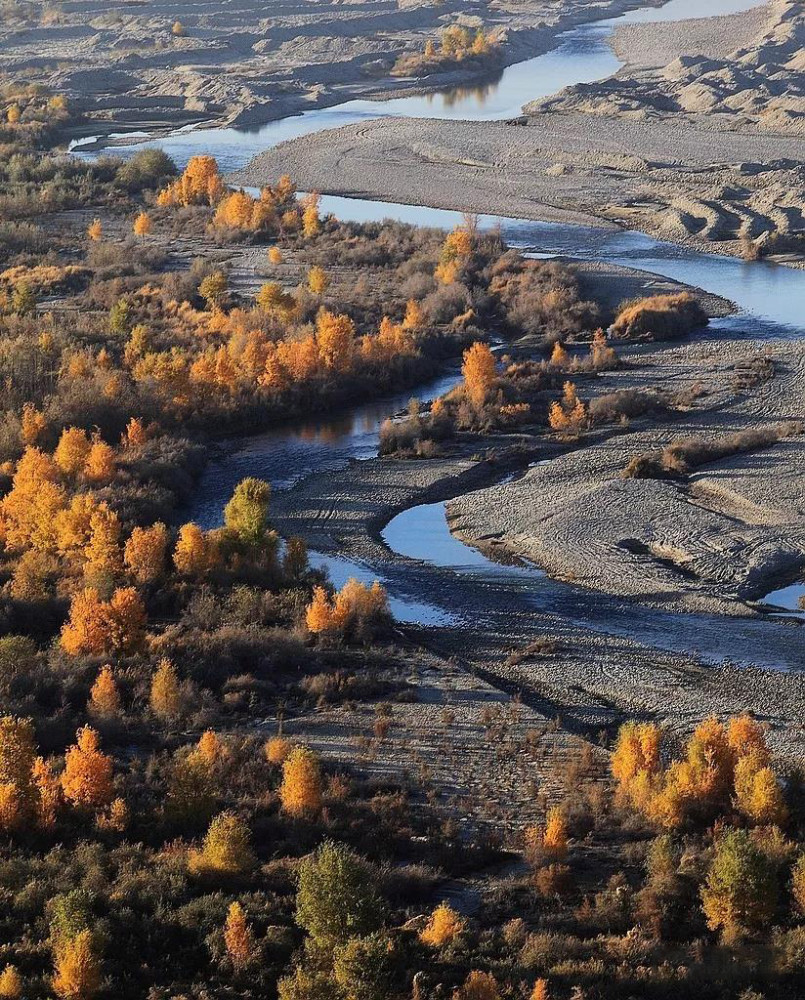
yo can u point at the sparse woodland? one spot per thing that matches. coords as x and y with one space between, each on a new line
160 836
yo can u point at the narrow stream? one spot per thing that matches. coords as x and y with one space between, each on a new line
444 581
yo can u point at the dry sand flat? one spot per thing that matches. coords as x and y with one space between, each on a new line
671 178
706 544
753 78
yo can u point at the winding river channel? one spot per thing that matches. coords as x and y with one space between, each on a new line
441 581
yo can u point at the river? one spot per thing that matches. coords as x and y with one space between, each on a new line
443 582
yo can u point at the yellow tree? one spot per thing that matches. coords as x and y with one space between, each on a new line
72 451
49 792
103 549
33 424
238 937
87 778
125 620
142 224
301 788
274 255
195 553
443 927
277 750
319 614
101 465
166 693
554 838
145 552
318 281
78 972
480 374
18 798
95 230
84 632
311 224
335 336
226 850
104 698
11 984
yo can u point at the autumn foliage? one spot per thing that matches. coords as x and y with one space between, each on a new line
301 789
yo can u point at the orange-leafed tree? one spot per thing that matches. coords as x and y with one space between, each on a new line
540 991
95 230
414 318
104 698
136 432
301 788
480 986
33 423
166 692
319 614
142 224
11 983
101 463
277 750
72 451
554 838
18 798
318 281
443 927
85 631
126 620
196 553
87 778
102 553
78 969
480 373
145 553
274 255
311 224
335 337
238 937
200 184
49 793
226 850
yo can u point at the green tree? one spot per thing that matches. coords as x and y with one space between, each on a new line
120 318
247 512
365 967
23 300
740 893
336 899
213 289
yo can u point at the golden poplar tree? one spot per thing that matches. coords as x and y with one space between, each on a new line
480 373
101 465
142 224
238 937
301 788
95 230
104 698
166 693
319 613
11 984
443 927
145 552
78 972
226 850
18 799
103 555
87 778
72 451
554 838
33 424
